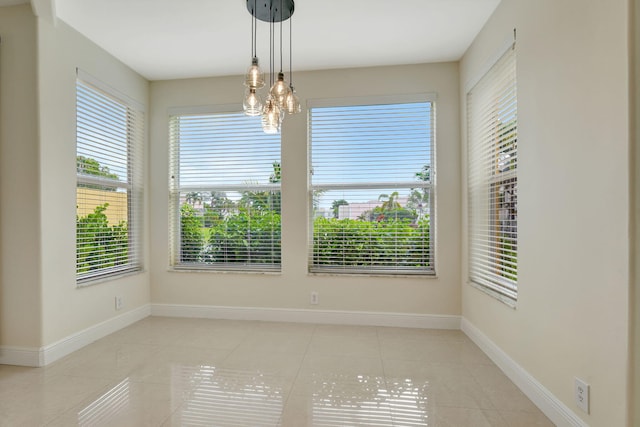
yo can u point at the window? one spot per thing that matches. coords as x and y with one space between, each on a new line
225 192
109 136
372 186
493 181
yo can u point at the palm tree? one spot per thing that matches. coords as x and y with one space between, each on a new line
391 202
418 202
419 198
193 197
217 198
335 206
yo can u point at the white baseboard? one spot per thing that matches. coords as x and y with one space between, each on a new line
405 320
20 356
65 346
549 404
42 356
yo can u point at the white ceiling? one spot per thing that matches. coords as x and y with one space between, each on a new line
168 39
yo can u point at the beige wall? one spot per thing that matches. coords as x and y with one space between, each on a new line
573 199
67 309
291 289
20 296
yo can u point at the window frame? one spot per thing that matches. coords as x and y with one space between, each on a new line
495 284
133 185
175 189
430 185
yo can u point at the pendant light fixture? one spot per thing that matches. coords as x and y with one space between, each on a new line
292 103
271 116
254 79
280 90
281 97
252 103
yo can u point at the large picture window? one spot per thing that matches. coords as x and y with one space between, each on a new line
372 186
225 192
109 143
492 180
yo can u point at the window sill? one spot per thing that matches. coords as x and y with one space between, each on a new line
192 270
108 278
373 274
509 302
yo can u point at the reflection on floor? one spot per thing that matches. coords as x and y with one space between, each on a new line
199 372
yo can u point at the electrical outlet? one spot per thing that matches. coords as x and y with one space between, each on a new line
581 392
118 303
314 297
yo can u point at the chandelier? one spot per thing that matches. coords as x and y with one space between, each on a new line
281 98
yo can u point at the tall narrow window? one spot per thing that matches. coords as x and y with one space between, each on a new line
109 143
225 192
492 180
372 186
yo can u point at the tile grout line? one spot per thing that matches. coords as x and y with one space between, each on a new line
295 379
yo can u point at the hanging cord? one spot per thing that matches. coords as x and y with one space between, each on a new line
290 51
271 51
280 35
255 29
253 34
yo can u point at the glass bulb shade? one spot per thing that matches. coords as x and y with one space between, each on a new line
255 76
292 103
271 116
252 103
279 91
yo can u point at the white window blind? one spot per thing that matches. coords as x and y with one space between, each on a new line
372 188
492 180
225 193
109 144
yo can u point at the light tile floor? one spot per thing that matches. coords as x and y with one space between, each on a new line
199 372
